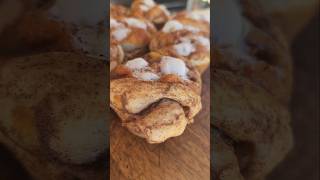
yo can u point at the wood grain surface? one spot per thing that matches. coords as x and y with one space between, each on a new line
185 157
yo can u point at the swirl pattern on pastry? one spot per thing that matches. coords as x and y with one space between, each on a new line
144 88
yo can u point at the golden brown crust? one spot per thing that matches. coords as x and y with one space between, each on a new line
136 102
167 119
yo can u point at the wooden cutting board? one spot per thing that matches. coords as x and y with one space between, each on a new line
185 157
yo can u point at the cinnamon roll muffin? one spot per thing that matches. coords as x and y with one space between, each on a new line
251 90
155 96
132 34
185 36
193 47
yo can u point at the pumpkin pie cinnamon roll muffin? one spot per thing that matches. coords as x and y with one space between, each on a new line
193 47
155 96
132 34
185 37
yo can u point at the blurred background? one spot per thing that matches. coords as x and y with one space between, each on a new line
303 161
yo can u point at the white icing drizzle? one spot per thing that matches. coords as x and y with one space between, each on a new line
114 23
170 65
121 33
141 70
203 41
133 22
174 25
145 75
184 48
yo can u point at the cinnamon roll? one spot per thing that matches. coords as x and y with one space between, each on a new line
132 34
156 96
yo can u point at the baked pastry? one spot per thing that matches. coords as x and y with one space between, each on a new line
193 47
186 37
252 77
174 60
132 34
156 96
51 131
155 13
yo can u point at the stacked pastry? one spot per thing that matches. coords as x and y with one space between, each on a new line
251 130
157 60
